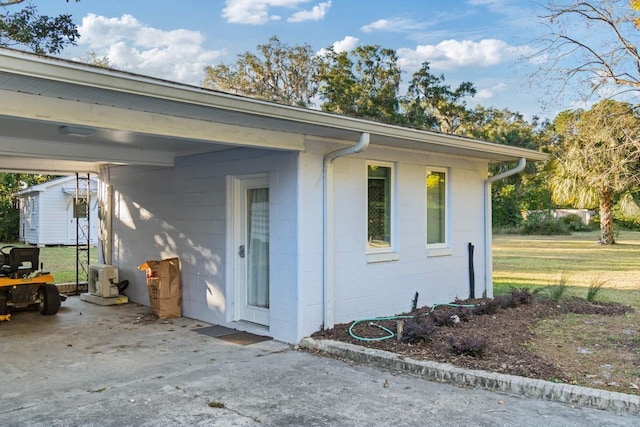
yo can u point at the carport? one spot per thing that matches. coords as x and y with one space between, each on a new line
60 117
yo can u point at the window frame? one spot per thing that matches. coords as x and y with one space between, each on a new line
79 202
447 217
392 214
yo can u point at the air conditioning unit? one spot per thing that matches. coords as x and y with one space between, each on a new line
103 279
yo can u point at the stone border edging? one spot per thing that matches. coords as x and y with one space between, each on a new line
510 384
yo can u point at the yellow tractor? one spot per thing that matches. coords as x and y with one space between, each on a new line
23 284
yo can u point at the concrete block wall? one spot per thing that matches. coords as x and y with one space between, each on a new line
182 211
367 289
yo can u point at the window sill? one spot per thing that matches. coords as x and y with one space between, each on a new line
437 252
382 257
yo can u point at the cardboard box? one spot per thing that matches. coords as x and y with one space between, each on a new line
163 284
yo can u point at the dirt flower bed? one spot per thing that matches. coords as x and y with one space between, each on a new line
501 335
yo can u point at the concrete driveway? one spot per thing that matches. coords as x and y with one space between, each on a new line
118 366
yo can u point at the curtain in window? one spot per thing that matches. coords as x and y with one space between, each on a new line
258 247
379 206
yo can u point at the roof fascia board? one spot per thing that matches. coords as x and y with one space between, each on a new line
87 152
47 166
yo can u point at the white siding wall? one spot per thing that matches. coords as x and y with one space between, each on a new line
181 211
29 218
53 208
365 289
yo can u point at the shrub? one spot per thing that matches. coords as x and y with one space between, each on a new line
509 230
469 346
506 301
544 224
574 223
505 206
9 223
418 329
595 287
488 307
450 316
511 300
521 296
556 292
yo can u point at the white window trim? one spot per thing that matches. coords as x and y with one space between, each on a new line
373 253
440 249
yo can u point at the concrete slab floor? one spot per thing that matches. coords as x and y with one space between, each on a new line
92 365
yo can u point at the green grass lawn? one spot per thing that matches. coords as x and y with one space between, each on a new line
61 261
532 261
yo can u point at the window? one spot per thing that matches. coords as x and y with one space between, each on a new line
379 196
436 187
80 207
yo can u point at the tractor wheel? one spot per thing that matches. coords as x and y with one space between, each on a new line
3 303
49 299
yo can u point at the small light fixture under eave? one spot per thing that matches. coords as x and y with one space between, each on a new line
76 131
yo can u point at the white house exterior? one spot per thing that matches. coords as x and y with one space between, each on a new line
48 217
285 220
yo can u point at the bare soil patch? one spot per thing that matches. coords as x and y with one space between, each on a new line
518 335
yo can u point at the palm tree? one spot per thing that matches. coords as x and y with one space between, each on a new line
596 160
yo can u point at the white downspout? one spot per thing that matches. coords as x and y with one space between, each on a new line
488 236
328 227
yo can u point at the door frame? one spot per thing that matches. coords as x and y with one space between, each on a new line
237 274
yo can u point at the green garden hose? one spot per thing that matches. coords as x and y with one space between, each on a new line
390 333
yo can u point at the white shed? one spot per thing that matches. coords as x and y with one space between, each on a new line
48 217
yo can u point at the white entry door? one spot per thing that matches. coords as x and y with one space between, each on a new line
252 248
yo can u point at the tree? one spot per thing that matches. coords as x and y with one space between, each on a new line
98 61
41 33
431 104
361 83
521 192
10 184
283 74
592 44
596 160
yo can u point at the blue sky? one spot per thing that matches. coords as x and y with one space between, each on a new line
483 41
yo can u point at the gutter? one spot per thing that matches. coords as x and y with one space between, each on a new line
328 268
488 232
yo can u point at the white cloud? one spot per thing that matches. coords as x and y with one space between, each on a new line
255 12
130 45
450 54
315 14
489 93
399 25
346 44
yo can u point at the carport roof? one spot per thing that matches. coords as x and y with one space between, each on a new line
133 119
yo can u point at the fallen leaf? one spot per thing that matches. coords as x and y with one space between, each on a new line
386 384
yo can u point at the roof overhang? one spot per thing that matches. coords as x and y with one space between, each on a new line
133 119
